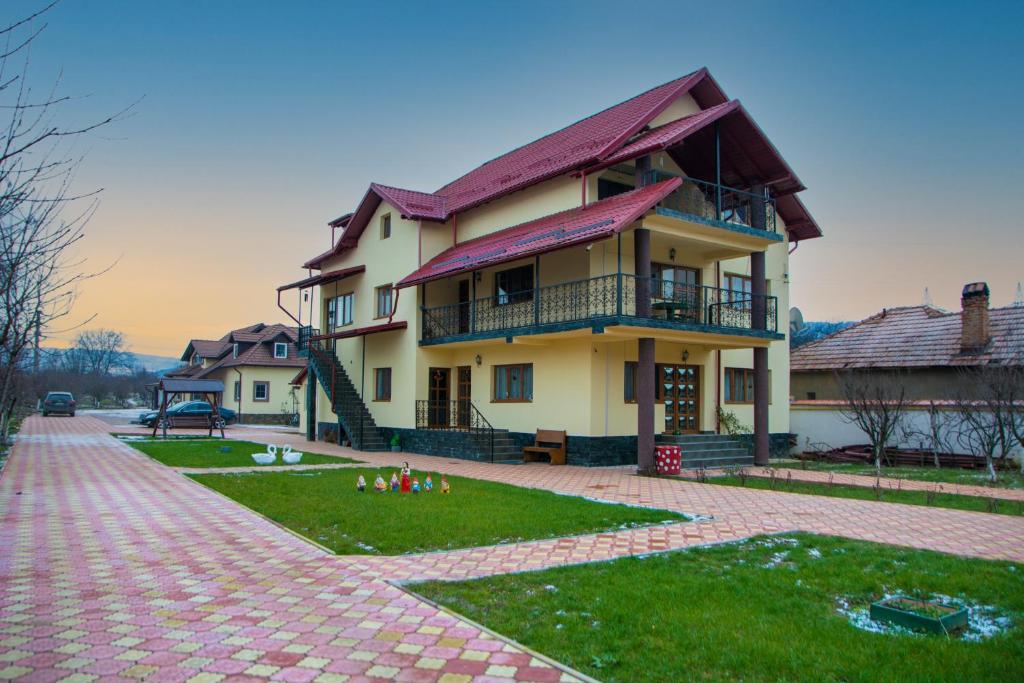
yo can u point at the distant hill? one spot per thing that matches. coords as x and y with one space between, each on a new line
813 331
148 362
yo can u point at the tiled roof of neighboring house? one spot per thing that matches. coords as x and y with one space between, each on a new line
186 371
913 337
557 231
584 144
258 349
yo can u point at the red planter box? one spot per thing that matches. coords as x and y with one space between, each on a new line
667 459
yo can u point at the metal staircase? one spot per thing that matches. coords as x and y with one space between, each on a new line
346 403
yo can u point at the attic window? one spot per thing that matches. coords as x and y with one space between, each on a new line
280 350
234 350
385 226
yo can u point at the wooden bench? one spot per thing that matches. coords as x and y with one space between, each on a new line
548 442
189 421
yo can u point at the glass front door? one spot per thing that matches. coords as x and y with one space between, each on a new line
679 391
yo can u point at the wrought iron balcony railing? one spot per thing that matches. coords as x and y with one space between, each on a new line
720 203
458 415
666 304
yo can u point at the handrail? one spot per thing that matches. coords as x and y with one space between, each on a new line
459 415
606 296
722 203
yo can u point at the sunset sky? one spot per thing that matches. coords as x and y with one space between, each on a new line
257 122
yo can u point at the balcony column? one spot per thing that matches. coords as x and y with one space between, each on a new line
645 394
758 310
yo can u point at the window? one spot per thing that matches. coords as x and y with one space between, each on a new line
280 350
513 383
609 188
514 285
383 301
339 311
739 385
238 391
677 283
382 384
261 391
234 350
738 290
629 387
812 395
385 226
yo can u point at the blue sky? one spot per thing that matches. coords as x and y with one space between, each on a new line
259 121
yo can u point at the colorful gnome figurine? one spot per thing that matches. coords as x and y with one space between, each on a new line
415 485
360 484
428 484
378 484
406 484
394 482
445 488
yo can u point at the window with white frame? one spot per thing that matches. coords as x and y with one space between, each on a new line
234 350
261 391
280 350
339 311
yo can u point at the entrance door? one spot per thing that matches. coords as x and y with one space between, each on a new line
679 391
464 306
678 291
463 395
437 398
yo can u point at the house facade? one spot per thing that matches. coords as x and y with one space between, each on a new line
261 368
619 279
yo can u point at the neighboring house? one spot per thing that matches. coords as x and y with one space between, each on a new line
260 366
619 278
929 344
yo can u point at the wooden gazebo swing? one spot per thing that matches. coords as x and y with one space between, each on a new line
168 389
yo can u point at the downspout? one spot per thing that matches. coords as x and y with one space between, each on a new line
455 230
287 312
238 401
394 303
583 189
795 245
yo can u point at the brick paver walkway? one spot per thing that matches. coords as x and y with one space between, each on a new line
112 565
843 479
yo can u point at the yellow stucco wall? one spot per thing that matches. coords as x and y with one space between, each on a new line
280 399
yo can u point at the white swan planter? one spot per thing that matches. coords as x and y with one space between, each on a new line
289 456
267 458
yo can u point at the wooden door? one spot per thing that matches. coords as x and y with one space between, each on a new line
464 306
463 395
679 391
437 397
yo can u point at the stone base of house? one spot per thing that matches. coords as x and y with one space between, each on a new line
265 419
778 443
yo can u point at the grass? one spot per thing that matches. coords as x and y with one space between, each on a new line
938 500
206 453
737 612
325 507
1012 478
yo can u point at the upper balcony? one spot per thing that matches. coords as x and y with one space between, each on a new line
617 304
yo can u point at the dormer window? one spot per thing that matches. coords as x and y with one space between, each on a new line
280 350
234 350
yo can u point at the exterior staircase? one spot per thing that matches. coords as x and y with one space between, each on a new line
709 450
346 403
505 448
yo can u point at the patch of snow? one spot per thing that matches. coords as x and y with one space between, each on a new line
365 546
549 587
776 559
815 553
983 621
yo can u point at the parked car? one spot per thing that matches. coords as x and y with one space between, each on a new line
187 409
61 402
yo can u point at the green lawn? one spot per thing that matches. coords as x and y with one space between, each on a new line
325 506
1011 478
758 611
206 453
939 500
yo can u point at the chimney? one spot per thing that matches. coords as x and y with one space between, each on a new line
974 334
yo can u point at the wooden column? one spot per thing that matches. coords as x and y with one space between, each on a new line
758 310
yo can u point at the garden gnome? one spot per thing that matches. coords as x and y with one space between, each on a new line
360 484
394 482
415 485
378 484
445 488
428 484
406 483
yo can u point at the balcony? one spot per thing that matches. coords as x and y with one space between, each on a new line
602 302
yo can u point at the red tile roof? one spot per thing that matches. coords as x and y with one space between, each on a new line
557 231
586 143
912 337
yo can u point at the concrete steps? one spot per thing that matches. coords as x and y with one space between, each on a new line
708 450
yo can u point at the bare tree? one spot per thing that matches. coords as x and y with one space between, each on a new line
41 219
939 434
99 352
986 408
875 401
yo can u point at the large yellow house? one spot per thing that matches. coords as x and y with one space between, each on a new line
621 279
262 371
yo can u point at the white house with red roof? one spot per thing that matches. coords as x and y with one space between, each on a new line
622 279
261 368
